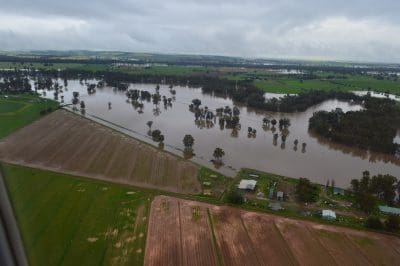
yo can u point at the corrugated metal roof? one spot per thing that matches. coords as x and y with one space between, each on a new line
247 184
387 209
328 214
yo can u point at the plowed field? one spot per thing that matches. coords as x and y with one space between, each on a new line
183 232
68 143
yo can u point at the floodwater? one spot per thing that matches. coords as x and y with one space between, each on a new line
378 95
319 161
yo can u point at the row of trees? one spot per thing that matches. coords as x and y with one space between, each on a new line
368 191
17 84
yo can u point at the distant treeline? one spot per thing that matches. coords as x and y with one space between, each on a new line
373 128
243 92
188 60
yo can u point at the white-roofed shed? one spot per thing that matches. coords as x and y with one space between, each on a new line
247 184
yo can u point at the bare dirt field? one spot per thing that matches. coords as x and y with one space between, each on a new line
183 232
68 143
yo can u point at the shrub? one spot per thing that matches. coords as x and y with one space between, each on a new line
373 222
234 197
306 191
392 223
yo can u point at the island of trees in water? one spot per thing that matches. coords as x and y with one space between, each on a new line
373 128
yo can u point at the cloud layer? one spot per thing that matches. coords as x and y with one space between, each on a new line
345 30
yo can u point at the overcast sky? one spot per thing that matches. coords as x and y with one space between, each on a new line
362 30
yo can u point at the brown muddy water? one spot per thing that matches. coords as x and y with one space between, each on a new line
319 161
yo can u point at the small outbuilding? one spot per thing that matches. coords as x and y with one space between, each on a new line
279 195
275 206
260 195
389 210
329 215
338 191
247 184
271 193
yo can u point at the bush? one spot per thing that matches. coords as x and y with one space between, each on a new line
306 191
392 223
234 197
373 222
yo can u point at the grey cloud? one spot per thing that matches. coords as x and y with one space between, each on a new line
354 30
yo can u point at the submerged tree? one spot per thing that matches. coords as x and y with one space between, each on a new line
149 124
196 103
218 154
188 141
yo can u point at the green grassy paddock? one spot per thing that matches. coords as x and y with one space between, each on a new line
19 110
66 220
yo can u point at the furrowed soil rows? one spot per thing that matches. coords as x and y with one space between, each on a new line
181 233
228 230
377 249
197 245
301 241
71 144
341 248
165 246
267 240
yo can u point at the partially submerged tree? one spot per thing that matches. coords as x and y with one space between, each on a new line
188 141
218 154
149 124
157 136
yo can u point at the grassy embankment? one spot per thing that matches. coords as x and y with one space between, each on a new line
19 110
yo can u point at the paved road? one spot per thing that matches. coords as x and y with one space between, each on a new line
11 247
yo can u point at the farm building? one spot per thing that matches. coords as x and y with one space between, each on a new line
338 191
271 193
275 206
260 195
328 214
247 184
389 210
279 195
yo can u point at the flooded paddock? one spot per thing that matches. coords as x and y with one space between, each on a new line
319 161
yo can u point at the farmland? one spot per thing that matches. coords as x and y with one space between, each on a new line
67 143
350 83
19 110
66 220
228 236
